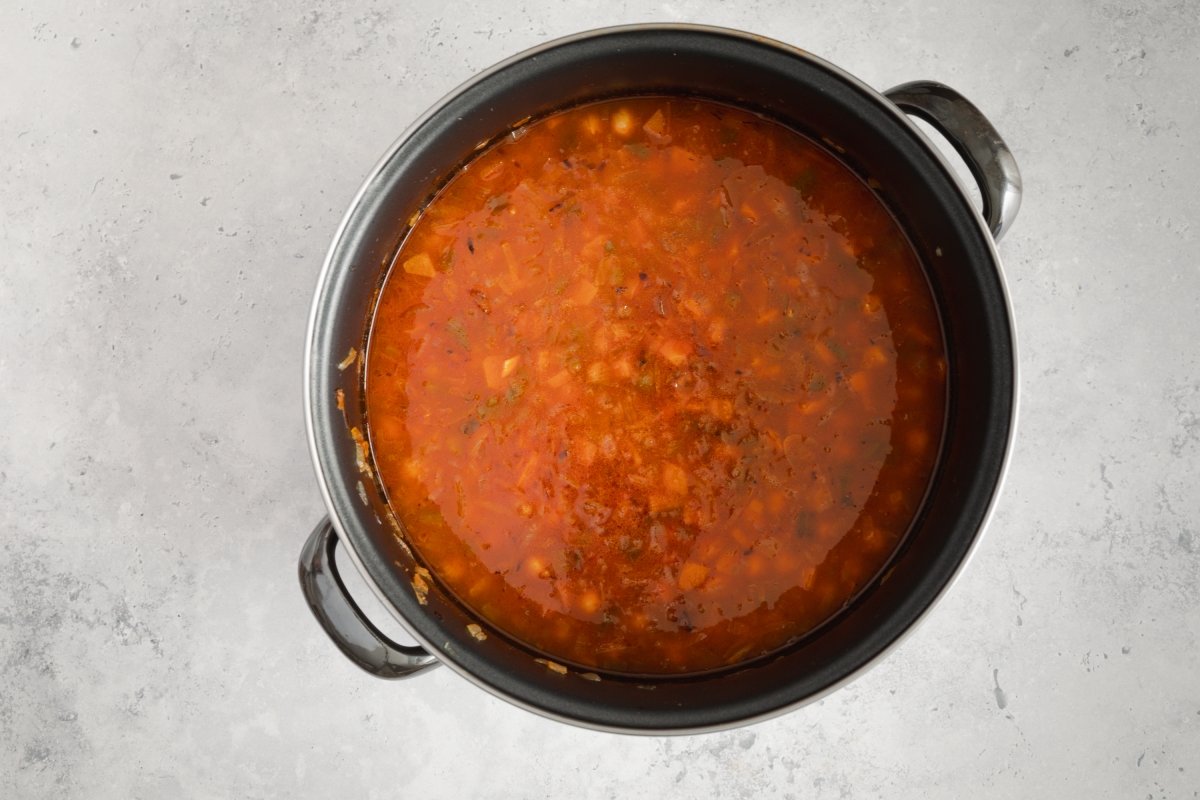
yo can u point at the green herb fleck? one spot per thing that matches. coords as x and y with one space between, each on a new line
639 149
459 331
806 181
515 390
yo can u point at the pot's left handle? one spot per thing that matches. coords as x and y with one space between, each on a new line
349 628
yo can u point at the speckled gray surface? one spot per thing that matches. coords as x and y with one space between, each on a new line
170 175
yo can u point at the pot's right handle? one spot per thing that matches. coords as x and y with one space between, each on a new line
349 628
968 130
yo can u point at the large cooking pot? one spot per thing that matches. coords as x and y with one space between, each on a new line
870 132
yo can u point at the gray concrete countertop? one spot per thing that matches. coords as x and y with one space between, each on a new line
170 176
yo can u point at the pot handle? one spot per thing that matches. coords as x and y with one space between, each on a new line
342 620
976 140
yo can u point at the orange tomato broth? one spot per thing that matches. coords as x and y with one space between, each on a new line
656 385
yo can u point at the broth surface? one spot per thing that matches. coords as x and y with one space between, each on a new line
655 385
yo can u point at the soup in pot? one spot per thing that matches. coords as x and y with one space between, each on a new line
655 385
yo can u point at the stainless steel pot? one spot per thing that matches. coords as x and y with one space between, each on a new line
870 132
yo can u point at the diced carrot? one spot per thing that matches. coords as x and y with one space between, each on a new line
420 264
716 330
662 502
493 371
675 350
675 478
480 586
721 408
560 378
589 602
824 354
601 340
623 368
874 357
596 372
656 125
917 440
586 452
693 306
593 250
692 575
583 293
859 382
820 498
622 122
510 366
743 537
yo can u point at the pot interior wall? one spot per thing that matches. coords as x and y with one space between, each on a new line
854 122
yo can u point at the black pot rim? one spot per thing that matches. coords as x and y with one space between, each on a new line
327 471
